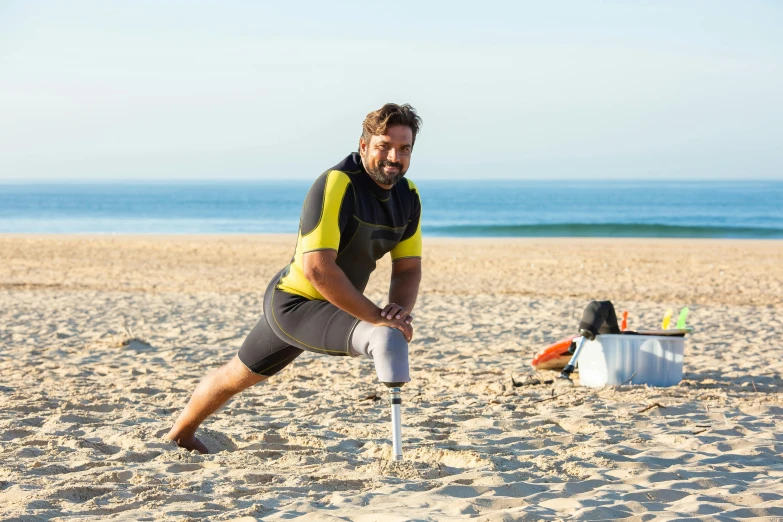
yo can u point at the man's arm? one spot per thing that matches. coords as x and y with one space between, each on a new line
404 288
320 268
406 266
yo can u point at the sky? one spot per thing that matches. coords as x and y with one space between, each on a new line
155 90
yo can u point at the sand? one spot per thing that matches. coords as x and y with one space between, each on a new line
102 339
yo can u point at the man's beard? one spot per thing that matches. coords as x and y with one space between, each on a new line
379 176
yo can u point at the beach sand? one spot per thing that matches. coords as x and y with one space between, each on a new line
102 339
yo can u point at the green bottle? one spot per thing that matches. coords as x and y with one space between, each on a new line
682 318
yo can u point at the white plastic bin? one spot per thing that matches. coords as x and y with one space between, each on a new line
631 359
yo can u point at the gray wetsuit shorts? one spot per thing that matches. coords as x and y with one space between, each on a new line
292 324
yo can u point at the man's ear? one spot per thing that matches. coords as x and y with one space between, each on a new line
362 146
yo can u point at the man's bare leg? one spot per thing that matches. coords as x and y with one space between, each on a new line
212 392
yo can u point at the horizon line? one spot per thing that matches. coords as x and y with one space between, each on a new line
159 181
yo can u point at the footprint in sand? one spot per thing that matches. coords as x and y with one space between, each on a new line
99 408
79 493
136 456
183 468
303 394
656 495
432 423
342 484
39 505
216 441
15 434
254 478
114 477
29 453
146 390
75 419
105 449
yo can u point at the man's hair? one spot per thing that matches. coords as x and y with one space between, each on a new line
377 122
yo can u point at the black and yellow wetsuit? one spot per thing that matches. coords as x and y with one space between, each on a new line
344 211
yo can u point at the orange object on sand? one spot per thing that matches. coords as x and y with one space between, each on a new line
555 356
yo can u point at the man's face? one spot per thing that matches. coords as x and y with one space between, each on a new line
386 158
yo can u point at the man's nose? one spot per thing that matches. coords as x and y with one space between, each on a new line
392 155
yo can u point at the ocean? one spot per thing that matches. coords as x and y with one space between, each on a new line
485 208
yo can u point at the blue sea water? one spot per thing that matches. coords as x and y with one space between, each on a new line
714 209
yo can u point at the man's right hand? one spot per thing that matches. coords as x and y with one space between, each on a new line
395 311
399 324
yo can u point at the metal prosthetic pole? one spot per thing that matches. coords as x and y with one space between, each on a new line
564 379
396 418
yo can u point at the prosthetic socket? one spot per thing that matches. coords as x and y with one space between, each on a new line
388 349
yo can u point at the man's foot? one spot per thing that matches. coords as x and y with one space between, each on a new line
213 391
191 443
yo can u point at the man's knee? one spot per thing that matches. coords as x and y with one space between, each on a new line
389 351
388 340
235 375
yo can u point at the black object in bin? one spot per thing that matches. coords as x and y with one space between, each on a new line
599 317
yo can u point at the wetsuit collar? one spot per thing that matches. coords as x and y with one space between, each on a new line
378 191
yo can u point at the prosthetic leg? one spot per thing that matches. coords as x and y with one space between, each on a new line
389 351
396 418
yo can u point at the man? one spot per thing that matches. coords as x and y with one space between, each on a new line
353 215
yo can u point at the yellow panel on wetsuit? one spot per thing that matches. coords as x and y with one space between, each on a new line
325 235
410 244
346 211
319 229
